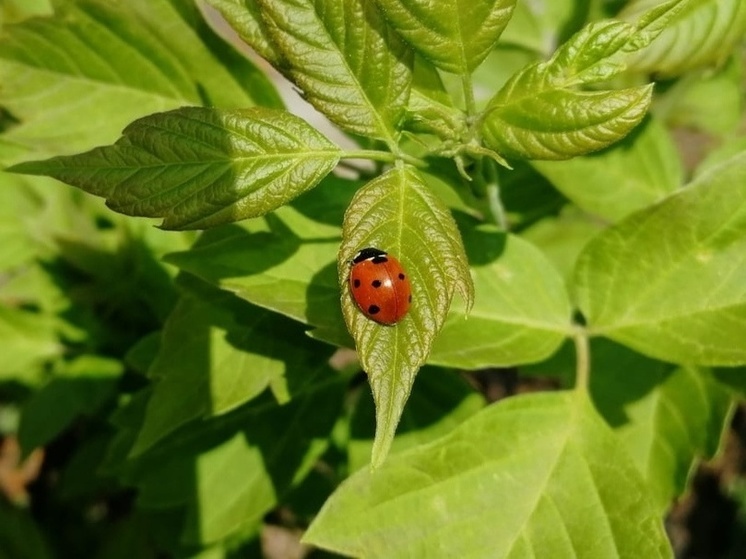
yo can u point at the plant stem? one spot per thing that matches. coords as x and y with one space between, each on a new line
386 156
496 205
583 356
492 190
468 87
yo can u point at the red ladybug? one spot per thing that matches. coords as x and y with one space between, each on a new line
379 286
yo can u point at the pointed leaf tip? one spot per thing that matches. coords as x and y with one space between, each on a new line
398 214
198 167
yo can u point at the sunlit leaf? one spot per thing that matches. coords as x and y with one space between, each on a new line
397 213
29 339
670 281
540 113
456 35
534 476
521 310
345 59
198 167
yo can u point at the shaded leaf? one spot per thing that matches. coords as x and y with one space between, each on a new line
641 169
702 33
20 536
669 281
668 417
439 402
583 498
218 353
80 388
285 262
345 60
398 214
708 100
226 473
198 167
456 36
76 79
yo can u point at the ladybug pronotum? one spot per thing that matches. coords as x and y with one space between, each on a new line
379 286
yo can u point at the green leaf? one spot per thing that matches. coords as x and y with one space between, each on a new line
537 27
17 10
217 353
521 311
346 61
638 171
226 473
582 499
668 417
454 35
20 536
721 156
225 78
29 340
141 355
703 33
198 167
398 214
430 108
80 388
440 401
76 79
734 378
18 202
669 281
285 262
563 237
560 124
708 100
540 114
245 17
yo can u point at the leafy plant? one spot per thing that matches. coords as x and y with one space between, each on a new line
204 376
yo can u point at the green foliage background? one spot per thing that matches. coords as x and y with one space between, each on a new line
180 342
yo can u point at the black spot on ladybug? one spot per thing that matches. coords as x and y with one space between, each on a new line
376 283
379 260
356 283
402 276
374 309
410 298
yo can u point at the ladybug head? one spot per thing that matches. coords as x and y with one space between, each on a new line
370 253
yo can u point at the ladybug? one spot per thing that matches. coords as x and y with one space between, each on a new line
379 286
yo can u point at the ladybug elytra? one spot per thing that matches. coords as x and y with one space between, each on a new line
379 286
